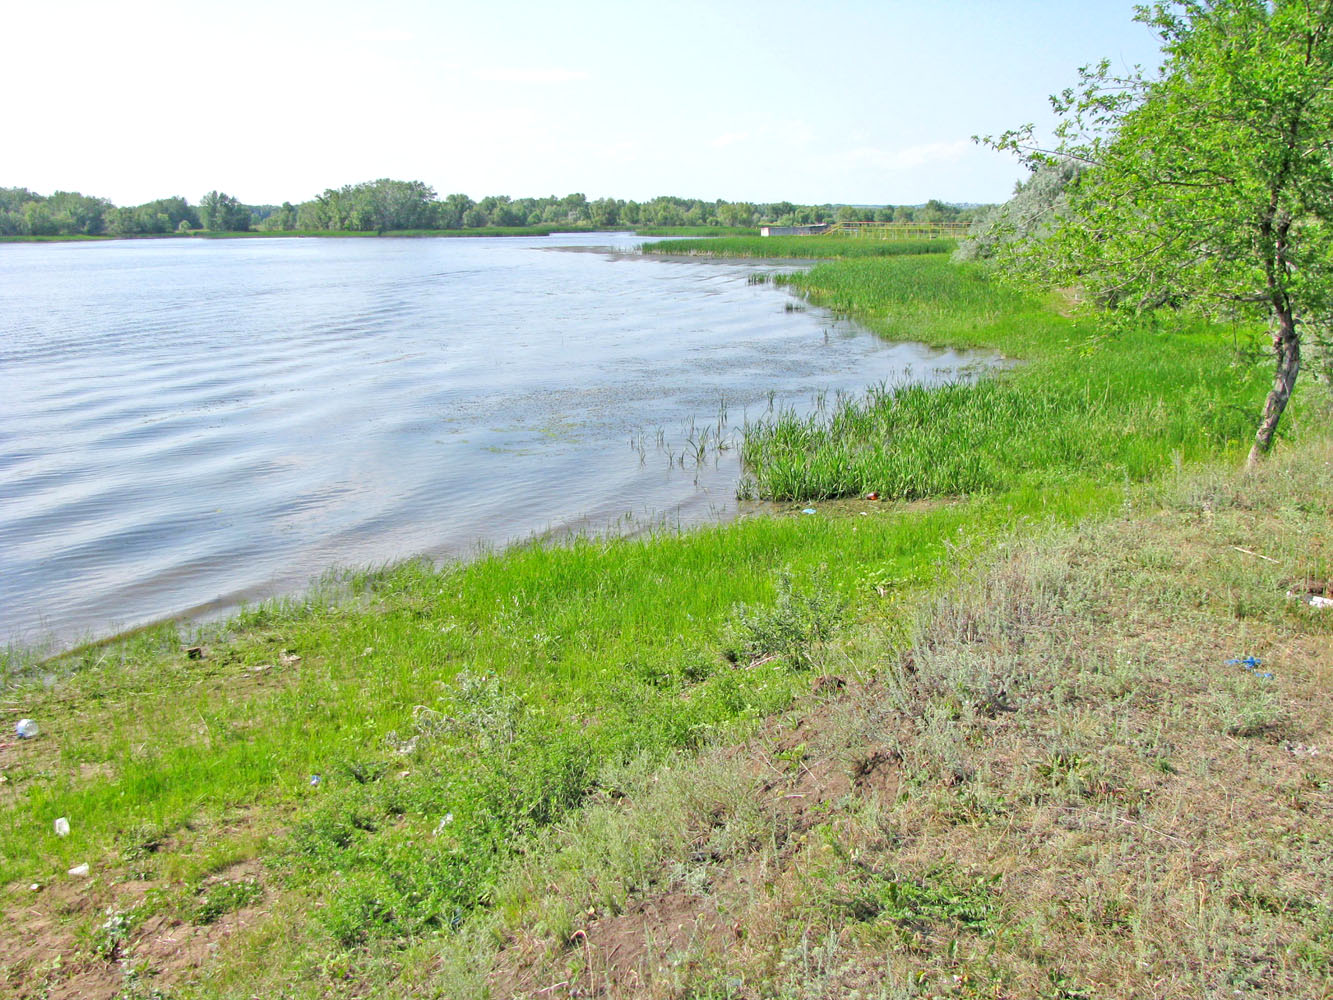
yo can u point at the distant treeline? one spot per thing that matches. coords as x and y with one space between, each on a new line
388 205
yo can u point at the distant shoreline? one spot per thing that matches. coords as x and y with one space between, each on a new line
491 231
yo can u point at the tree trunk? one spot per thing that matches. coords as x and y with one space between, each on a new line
1287 345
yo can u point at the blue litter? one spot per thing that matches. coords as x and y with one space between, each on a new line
1252 664
809 510
314 779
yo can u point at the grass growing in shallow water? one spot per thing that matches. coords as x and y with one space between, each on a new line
1082 403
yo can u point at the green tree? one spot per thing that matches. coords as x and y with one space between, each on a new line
394 204
281 219
222 213
936 211
450 211
1210 184
575 207
37 220
604 213
77 214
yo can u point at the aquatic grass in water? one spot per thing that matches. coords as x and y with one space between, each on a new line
1105 407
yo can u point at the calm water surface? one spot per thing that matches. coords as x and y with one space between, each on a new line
189 424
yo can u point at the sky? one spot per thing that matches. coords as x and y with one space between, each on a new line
844 101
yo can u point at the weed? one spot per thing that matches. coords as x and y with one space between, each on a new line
215 900
111 935
938 895
793 627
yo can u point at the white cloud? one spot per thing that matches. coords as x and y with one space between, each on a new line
532 74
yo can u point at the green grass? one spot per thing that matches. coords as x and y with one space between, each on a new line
71 238
1082 403
1053 753
449 715
798 247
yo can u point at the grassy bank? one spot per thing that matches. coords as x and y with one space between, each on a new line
450 718
1063 785
798 247
437 780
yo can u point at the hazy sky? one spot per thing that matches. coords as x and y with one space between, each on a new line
836 101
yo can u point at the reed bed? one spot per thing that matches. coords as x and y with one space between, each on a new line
1084 403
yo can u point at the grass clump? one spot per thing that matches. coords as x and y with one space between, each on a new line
217 899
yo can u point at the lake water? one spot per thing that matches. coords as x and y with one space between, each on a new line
189 424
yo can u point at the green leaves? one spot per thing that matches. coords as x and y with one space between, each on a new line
1209 186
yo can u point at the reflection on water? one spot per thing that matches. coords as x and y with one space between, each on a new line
191 423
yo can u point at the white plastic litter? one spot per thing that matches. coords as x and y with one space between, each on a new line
62 827
27 729
79 869
1314 600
